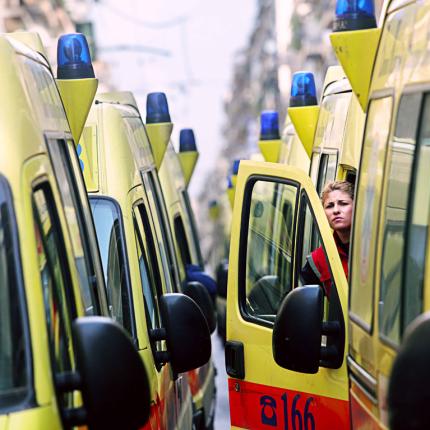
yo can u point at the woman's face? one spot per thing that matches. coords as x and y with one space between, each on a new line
338 208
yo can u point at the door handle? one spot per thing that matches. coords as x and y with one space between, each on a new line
235 359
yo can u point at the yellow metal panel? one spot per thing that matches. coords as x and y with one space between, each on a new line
77 96
188 162
305 122
38 418
159 137
270 149
353 135
230 194
356 51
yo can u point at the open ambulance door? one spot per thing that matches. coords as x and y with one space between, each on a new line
286 341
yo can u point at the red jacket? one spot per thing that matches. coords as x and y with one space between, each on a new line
319 264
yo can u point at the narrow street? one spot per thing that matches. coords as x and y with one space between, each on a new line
222 414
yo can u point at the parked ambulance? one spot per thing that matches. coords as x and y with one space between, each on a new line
167 327
325 362
58 369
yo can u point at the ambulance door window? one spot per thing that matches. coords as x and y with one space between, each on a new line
110 237
15 361
399 171
417 222
327 171
312 264
154 192
270 211
367 212
56 283
181 240
148 266
190 213
78 228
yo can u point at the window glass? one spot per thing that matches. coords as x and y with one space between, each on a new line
310 240
14 352
418 219
367 209
313 266
190 213
147 271
56 282
399 166
181 241
269 265
327 171
162 233
78 230
107 219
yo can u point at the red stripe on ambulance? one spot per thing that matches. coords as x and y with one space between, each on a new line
256 406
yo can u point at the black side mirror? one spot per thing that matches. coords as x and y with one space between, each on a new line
111 377
221 278
186 333
408 390
297 333
201 296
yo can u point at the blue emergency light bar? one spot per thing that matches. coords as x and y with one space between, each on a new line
187 140
354 15
303 91
269 125
157 109
73 57
236 167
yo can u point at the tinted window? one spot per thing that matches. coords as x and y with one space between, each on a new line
190 213
78 229
56 282
159 215
326 171
14 348
269 248
181 241
108 223
399 169
148 273
367 210
417 219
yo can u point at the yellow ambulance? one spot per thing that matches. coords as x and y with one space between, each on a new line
175 173
168 328
387 69
389 258
53 362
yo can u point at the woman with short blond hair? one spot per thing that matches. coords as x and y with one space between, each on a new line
338 203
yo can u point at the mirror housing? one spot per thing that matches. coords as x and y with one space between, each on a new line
297 333
408 390
187 334
197 292
113 379
222 278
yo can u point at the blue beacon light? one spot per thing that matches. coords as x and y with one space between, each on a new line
157 108
354 15
229 182
269 125
187 140
236 164
303 91
73 57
